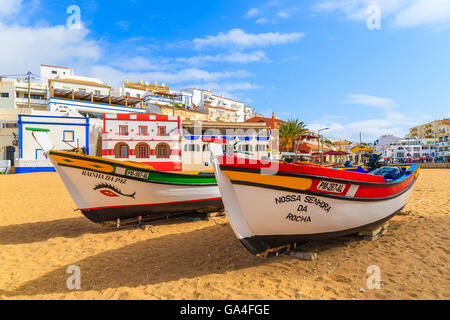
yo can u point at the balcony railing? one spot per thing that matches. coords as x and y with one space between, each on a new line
32 101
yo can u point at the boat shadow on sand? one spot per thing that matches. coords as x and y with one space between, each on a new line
210 250
65 228
42 231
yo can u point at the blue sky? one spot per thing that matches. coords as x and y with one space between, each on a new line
313 60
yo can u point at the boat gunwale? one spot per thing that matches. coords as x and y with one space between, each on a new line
327 178
128 166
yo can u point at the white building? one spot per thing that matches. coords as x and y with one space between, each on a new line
443 144
14 94
385 142
247 140
49 72
65 131
206 98
9 133
411 149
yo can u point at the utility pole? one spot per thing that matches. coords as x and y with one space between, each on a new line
29 89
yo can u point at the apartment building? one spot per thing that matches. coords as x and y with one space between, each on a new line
428 130
14 94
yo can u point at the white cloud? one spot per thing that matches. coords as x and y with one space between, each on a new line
406 13
116 76
357 9
9 7
368 100
252 12
389 121
232 57
136 63
424 12
28 47
262 21
238 38
283 14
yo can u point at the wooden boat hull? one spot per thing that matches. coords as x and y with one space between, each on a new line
107 190
271 209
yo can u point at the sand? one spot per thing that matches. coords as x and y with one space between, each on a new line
41 236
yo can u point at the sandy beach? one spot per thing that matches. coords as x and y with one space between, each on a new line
41 236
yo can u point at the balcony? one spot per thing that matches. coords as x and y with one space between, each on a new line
39 102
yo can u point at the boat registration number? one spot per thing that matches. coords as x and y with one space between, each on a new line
137 174
331 187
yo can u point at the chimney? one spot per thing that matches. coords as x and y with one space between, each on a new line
141 82
273 115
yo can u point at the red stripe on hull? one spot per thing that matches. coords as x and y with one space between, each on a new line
312 170
373 192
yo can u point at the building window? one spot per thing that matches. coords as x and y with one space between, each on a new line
191 147
142 151
162 131
121 150
261 147
162 151
68 136
123 130
82 90
34 96
128 94
138 95
206 148
143 130
39 154
97 92
245 148
54 72
5 94
9 125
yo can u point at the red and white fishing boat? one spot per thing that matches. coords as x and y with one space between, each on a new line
271 205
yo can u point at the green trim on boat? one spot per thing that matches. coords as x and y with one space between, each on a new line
37 129
194 179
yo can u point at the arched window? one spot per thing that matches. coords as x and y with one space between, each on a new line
121 150
142 151
162 151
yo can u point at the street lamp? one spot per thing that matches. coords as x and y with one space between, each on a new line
318 143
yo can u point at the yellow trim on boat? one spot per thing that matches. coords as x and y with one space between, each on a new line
86 164
279 181
92 165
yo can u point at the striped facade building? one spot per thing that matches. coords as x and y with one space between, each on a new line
145 138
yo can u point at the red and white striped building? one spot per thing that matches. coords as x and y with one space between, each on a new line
146 138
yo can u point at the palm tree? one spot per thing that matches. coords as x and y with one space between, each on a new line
290 132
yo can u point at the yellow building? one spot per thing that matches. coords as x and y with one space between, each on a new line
428 130
222 114
184 113
146 86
